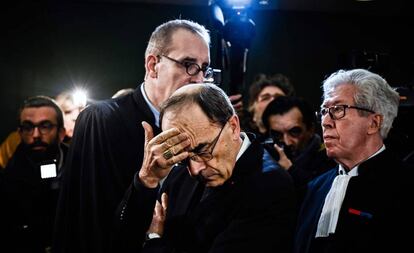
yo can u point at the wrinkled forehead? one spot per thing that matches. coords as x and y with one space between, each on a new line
191 121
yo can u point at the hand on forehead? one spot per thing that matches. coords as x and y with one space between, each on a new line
191 121
170 136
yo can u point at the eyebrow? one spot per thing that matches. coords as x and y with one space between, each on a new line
265 95
191 59
41 122
199 147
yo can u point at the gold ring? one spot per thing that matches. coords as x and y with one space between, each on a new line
167 154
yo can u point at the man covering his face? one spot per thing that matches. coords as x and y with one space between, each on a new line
216 196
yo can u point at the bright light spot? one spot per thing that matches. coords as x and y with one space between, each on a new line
238 4
80 97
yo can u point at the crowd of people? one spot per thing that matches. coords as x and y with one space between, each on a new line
170 166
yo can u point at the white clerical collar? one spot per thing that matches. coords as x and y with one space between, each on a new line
151 106
246 143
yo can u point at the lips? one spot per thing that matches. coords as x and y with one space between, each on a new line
206 177
207 174
328 137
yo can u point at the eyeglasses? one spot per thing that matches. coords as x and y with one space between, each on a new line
192 68
205 156
338 111
44 127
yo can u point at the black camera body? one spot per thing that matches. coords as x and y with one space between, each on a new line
269 143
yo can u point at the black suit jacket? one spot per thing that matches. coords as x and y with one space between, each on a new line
373 214
251 212
28 202
105 152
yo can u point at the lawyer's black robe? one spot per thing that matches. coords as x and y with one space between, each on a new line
106 151
380 192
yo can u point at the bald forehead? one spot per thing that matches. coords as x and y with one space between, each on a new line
185 114
192 121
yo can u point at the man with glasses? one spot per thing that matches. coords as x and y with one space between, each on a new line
107 147
29 183
295 145
361 205
216 197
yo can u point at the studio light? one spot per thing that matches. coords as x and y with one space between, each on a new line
238 4
80 97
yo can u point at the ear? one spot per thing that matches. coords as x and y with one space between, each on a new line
375 124
235 126
61 133
151 66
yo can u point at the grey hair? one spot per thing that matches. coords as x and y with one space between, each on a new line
372 92
212 100
160 38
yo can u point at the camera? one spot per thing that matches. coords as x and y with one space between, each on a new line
216 77
268 144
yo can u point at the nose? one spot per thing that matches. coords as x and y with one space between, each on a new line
36 133
287 140
195 168
327 122
199 78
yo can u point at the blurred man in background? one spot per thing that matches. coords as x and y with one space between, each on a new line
30 182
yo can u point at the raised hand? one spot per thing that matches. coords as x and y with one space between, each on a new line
284 161
158 217
160 153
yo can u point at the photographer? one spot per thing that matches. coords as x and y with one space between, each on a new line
291 124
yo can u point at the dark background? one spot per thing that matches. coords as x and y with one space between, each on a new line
49 46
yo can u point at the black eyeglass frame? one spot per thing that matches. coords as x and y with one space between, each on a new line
206 156
188 65
328 110
44 127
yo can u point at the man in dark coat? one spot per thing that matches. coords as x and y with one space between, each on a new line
107 146
360 206
291 124
217 199
29 184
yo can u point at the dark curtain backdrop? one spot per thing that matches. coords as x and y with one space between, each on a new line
50 46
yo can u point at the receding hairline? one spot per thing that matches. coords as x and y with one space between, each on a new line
162 35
